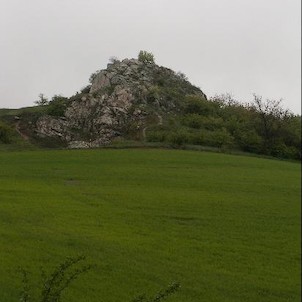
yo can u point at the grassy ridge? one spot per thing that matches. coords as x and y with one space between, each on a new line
15 112
226 227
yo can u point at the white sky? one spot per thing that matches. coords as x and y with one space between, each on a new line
236 46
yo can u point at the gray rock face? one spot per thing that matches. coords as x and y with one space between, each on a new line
119 98
102 80
49 126
89 123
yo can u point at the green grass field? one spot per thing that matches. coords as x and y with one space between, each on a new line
226 227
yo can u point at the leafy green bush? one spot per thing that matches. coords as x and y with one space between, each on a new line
198 105
219 138
156 136
291 131
178 138
197 121
168 96
146 57
57 105
280 150
248 140
6 133
193 120
154 94
197 138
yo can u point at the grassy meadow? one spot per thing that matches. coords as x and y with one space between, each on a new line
226 227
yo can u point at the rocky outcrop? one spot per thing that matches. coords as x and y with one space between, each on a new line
120 97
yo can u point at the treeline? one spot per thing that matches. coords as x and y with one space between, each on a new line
262 127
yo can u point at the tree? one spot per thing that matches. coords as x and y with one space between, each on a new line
182 76
114 60
146 57
271 116
42 101
57 105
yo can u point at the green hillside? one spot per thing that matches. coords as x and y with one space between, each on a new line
226 227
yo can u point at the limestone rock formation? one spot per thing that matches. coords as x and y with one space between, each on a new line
120 97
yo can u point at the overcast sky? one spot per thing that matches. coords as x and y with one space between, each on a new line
236 46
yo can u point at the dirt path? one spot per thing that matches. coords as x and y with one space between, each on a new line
17 127
160 122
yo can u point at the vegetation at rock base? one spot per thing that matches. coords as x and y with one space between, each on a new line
262 127
57 105
226 227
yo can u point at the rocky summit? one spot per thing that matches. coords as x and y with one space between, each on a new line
126 97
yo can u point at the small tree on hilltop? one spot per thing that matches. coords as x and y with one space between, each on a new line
42 101
146 57
182 76
114 60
